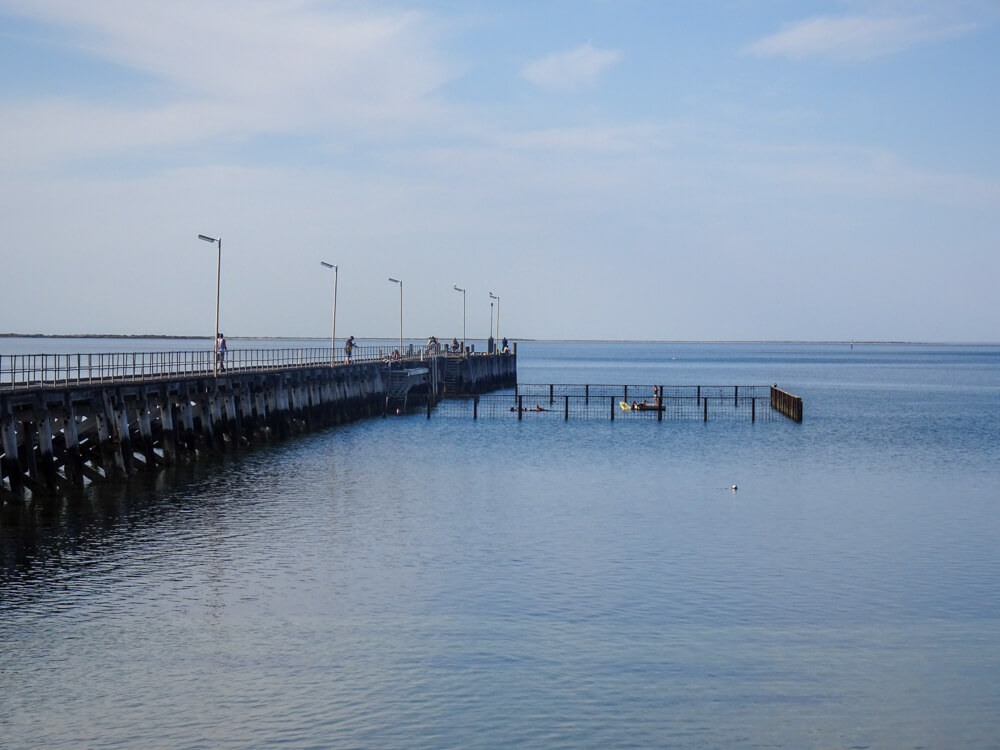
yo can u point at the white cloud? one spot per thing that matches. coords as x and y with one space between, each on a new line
228 68
636 138
854 38
572 69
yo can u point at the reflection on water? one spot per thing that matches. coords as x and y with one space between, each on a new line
440 583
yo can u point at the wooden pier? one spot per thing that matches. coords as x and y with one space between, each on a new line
67 421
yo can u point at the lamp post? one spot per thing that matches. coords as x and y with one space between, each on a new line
457 289
497 298
398 281
218 278
333 332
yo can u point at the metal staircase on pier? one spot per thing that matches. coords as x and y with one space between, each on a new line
401 381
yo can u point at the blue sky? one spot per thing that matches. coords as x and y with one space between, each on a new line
640 169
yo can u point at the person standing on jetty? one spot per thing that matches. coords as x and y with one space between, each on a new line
220 351
348 348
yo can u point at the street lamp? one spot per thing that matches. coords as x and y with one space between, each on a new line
218 278
497 298
333 332
397 281
457 289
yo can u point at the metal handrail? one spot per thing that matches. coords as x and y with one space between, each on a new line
34 370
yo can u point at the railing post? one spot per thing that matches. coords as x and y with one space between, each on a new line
753 409
612 408
550 393
705 404
520 407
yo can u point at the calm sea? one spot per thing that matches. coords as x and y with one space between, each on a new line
443 583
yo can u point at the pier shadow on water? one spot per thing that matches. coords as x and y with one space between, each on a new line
38 538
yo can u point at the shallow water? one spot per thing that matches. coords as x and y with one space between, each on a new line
438 583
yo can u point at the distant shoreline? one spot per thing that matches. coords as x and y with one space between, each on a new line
164 336
97 336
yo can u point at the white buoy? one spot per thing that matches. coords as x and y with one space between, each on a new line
735 488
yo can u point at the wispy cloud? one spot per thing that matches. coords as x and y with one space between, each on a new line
572 69
231 67
636 138
854 38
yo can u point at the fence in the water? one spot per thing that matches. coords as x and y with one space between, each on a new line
610 402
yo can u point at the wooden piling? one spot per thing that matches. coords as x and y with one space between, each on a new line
167 429
73 460
146 432
10 466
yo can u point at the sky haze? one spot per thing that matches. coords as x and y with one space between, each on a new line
643 169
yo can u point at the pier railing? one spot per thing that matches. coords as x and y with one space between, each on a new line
33 370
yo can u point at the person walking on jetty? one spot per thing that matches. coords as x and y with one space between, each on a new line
348 348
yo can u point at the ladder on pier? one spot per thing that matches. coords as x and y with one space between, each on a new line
452 375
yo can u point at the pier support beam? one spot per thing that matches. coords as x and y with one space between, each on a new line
11 466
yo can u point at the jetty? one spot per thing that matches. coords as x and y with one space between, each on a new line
71 420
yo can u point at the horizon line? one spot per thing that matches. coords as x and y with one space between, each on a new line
168 336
